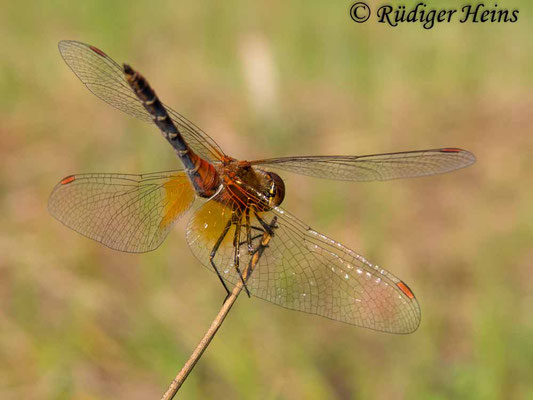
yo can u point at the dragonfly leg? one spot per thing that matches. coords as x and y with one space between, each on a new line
251 241
269 228
249 232
237 253
268 233
214 252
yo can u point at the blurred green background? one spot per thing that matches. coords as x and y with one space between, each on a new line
80 321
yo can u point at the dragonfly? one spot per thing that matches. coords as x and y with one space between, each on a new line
238 204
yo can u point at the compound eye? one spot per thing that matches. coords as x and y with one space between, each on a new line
277 189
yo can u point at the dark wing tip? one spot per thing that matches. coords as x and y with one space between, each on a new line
68 179
405 290
468 157
98 51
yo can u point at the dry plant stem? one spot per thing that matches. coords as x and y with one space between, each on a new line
197 353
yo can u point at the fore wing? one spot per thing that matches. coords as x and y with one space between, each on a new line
105 78
131 213
377 167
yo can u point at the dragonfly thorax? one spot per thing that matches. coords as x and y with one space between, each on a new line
246 186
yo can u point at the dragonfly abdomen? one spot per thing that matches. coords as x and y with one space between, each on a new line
202 174
153 105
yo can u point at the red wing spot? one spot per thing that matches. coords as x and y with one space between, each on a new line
405 289
68 179
98 51
450 150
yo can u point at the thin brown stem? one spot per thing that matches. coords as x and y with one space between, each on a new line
197 353
226 306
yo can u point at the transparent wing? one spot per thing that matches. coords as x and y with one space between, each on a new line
377 167
131 213
304 270
105 78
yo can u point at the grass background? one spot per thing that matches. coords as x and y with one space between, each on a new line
80 321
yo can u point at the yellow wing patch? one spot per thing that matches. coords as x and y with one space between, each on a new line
209 221
179 196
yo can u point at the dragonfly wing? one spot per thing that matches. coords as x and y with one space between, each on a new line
105 78
304 270
377 167
131 213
